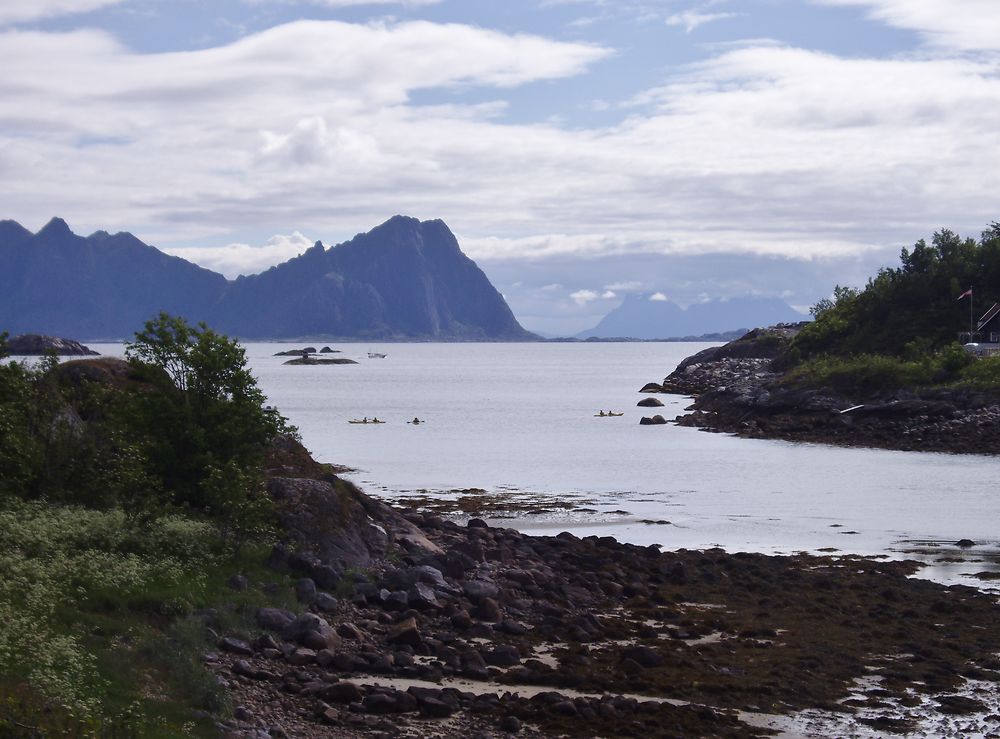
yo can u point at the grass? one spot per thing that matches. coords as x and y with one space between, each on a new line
869 375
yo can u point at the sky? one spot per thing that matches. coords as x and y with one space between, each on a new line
581 150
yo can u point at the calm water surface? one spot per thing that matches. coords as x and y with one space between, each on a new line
518 419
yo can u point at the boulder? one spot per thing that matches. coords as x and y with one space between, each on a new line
656 420
422 597
477 590
237 646
342 692
326 602
274 619
305 590
301 657
650 403
652 387
405 632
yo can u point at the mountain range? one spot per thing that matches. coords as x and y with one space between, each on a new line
644 316
405 279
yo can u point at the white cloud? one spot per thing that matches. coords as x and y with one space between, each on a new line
690 20
658 298
582 297
22 11
961 24
762 149
233 260
349 3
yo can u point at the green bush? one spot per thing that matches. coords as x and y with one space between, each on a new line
983 372
867 375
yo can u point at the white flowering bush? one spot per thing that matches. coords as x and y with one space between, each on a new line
57 558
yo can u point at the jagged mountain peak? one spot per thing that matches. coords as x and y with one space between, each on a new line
403 279
56 228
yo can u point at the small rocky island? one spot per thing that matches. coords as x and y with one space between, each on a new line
37 345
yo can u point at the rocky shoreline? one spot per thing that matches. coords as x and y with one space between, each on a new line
737 389
406 623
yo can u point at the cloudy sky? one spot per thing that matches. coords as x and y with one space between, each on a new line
580 149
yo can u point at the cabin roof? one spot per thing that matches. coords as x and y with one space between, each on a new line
988 316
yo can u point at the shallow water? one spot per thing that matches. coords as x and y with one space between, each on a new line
518 420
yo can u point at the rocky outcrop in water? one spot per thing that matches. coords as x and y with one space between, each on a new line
739 388
36 345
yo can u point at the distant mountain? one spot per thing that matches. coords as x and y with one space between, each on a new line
405 279
102 286
642 317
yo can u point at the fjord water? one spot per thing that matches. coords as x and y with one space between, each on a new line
518 419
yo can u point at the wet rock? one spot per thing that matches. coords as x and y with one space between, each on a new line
477 523
435 707
422 597
509 724
342 692
643 655
505 655
965 543
327 576
656 420
274 619
326 602
301 657
650 403
652 387
959 705
461 619
305 590
398 600
236 646
349 631
405 632
487 610
476 590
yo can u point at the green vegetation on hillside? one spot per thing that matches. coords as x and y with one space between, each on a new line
902 329
129 493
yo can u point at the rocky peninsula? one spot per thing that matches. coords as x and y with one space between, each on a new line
745 388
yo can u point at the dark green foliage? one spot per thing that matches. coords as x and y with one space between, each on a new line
128 495
206 417
187 430
912 306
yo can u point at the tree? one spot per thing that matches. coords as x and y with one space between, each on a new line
206 414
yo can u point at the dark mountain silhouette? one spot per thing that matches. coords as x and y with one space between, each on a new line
405 279
642 318
101 286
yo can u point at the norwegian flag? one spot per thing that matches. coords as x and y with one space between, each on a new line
966 294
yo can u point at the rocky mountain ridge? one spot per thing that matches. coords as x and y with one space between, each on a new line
405 279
